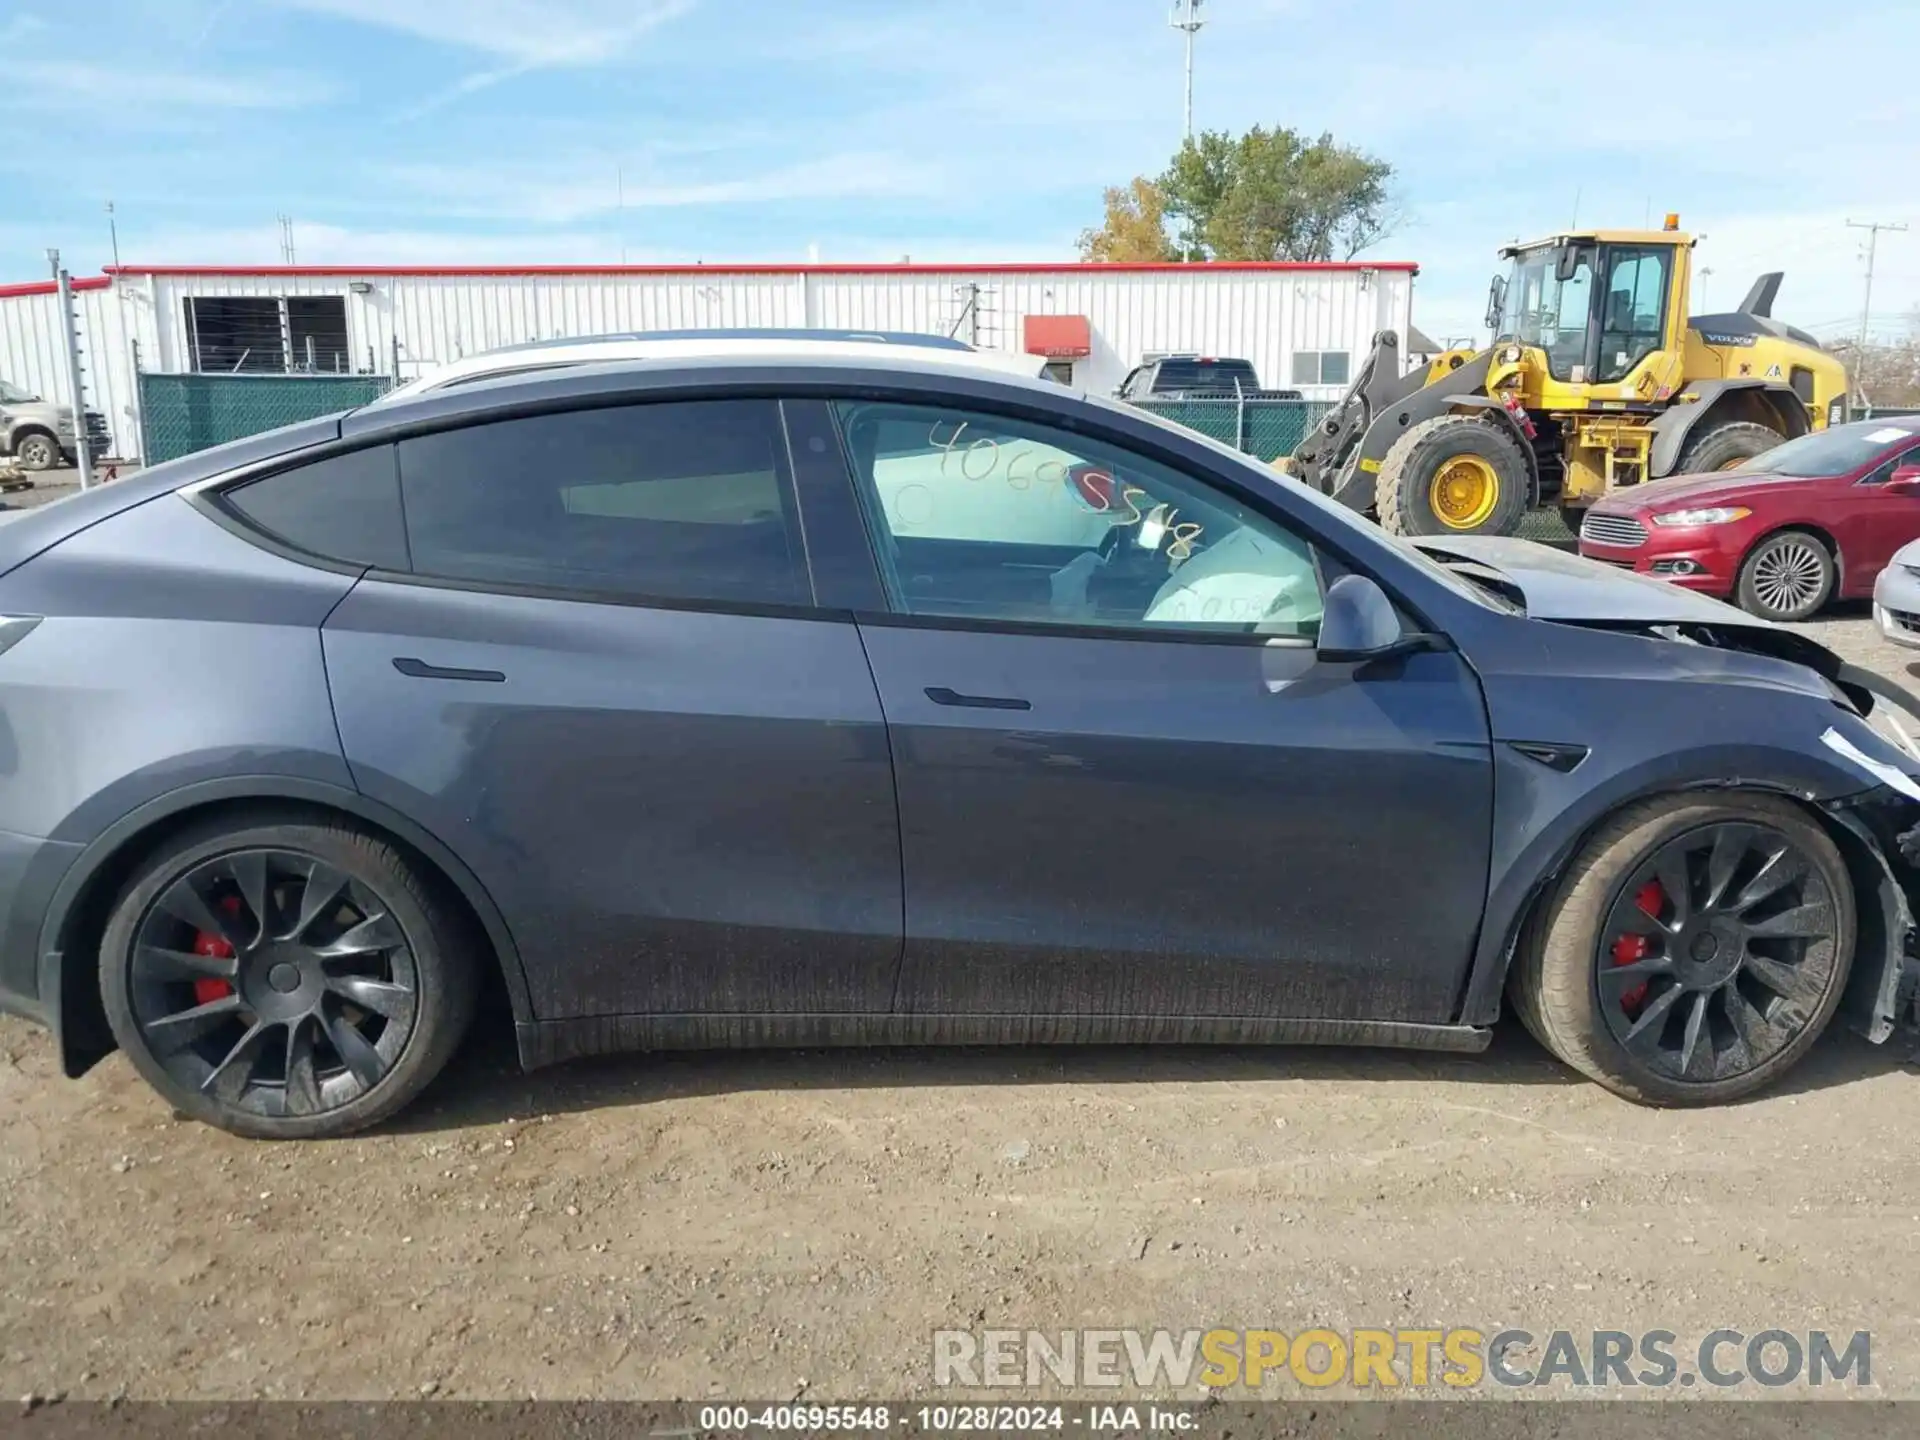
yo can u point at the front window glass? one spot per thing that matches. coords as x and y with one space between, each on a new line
1544 311
14 395
982 516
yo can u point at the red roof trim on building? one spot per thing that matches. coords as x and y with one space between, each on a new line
1065 267
47 287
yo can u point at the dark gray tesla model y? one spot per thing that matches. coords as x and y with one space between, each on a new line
799 698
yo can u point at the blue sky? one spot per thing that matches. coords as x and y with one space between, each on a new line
476 131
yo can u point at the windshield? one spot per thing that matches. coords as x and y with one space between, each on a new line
1542 310
14 395
1833 452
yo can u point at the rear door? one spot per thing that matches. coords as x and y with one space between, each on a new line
603 681
1127 786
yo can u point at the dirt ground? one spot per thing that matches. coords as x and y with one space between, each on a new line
797 1224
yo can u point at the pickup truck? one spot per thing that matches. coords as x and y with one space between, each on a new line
39 435
1196 377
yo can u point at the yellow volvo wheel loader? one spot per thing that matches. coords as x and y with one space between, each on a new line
1596 378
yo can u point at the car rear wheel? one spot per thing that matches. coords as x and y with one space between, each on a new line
297 980
1693 951
36 451
1788 576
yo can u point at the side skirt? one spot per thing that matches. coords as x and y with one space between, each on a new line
548 1042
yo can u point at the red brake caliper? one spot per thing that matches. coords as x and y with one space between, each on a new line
1629 948
215 947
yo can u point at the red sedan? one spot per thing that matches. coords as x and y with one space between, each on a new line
1806 522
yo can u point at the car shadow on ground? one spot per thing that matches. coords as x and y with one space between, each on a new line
485 1085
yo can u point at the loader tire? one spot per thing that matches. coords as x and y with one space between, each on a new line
1453 475
1725 446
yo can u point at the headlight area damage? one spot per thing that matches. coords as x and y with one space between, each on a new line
1878 829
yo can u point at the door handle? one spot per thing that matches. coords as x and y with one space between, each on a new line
941 695
420 670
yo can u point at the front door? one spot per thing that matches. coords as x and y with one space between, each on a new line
604 685
1127 786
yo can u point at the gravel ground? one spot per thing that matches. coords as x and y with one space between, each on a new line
796 1224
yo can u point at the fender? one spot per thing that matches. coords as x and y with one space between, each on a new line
1670 430
60 912
1528 876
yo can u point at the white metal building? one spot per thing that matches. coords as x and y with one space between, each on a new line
1303 326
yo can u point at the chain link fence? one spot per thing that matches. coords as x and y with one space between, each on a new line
1264 429
180 414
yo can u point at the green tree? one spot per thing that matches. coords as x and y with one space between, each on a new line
1135 228
1274 195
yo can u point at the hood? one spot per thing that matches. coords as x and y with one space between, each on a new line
37 410
1558 585
1563 588
1722 485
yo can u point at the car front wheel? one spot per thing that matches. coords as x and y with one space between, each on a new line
36 452
1693 951
1788 576
295 980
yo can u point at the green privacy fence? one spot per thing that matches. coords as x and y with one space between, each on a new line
1265 429
180 414
1269 428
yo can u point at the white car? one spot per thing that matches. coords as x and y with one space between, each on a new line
1896 597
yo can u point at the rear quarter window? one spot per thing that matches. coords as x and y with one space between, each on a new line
345 508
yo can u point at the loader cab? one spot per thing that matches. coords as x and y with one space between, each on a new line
1596 306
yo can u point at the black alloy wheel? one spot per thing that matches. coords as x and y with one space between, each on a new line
273 983
286 981
1693 949
1716 952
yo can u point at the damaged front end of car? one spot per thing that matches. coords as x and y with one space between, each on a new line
1877 829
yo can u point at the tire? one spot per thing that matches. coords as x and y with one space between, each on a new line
1725 446
36 451
405 984
1405 493
1788 576
1573 985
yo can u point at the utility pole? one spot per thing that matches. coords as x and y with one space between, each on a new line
1873 229
1186 17
113 233
286 240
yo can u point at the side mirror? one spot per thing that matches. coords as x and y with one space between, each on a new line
1496 302
1359 623
1566 260
1905 480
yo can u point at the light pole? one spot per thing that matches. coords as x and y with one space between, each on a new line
1186 17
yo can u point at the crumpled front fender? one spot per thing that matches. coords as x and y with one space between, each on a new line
1879 833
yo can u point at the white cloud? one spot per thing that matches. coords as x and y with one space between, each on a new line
325 244
540 196
527 32
121 89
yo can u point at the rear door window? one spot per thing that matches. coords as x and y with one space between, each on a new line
688 501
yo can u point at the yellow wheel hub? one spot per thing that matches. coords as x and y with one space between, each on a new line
1464 492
